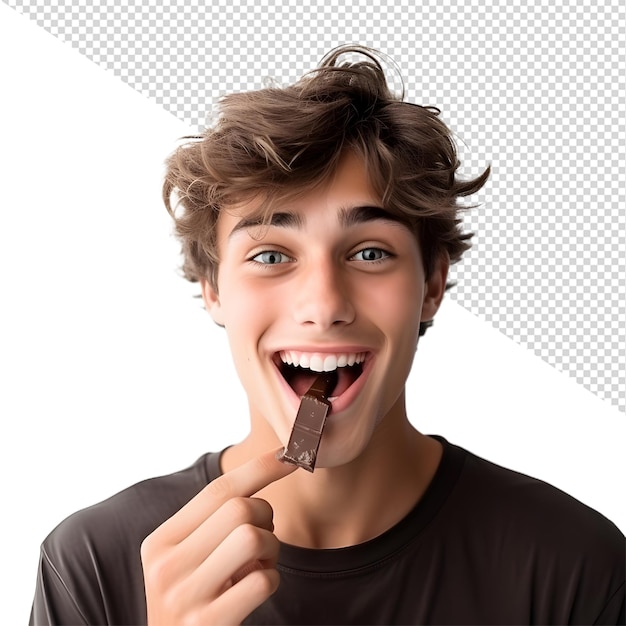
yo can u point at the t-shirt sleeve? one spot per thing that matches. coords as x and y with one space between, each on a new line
53 603
90 569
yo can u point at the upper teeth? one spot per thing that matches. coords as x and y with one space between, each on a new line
321 362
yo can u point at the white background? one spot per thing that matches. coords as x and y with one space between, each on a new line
111 372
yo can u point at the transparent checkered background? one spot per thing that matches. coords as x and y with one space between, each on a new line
535 89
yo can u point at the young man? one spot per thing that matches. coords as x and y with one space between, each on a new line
320 221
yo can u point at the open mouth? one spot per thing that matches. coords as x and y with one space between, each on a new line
301 369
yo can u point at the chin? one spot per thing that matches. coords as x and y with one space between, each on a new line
339 448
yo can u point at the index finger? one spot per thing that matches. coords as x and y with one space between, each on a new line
247 479
243 481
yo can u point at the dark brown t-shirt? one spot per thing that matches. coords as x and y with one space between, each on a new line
485 545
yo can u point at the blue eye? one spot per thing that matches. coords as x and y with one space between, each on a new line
370 254
270 257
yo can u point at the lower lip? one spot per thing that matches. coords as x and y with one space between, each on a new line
340 403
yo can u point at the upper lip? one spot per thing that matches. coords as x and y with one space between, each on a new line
327 349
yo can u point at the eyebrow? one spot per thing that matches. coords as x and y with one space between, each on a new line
348 216
351 216
282 219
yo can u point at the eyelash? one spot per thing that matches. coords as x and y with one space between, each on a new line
385 255
274 252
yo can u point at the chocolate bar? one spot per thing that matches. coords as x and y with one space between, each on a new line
307 429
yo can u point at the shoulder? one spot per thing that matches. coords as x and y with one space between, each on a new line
132 513
118 525
533 504
560 551
90 563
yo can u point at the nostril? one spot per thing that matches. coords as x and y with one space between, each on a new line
325 313
321 298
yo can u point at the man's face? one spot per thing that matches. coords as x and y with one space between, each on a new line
330 283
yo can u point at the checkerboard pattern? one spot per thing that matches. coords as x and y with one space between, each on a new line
536 89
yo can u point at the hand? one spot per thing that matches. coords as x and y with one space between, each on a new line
214 561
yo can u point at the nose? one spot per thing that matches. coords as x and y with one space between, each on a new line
322 297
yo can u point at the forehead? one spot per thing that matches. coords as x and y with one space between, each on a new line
347 188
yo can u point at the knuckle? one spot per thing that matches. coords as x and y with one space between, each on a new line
158 569
238 510
220 487
147 548
156 574
263 583
249 538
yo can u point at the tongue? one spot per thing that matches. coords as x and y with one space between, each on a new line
347 375
304 378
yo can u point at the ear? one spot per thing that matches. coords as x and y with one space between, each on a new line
211 301
435 288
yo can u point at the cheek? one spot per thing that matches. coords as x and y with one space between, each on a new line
244 303
248 313
395 303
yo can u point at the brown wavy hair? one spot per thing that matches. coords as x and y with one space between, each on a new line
278 142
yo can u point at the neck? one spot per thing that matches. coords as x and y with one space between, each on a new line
349 504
